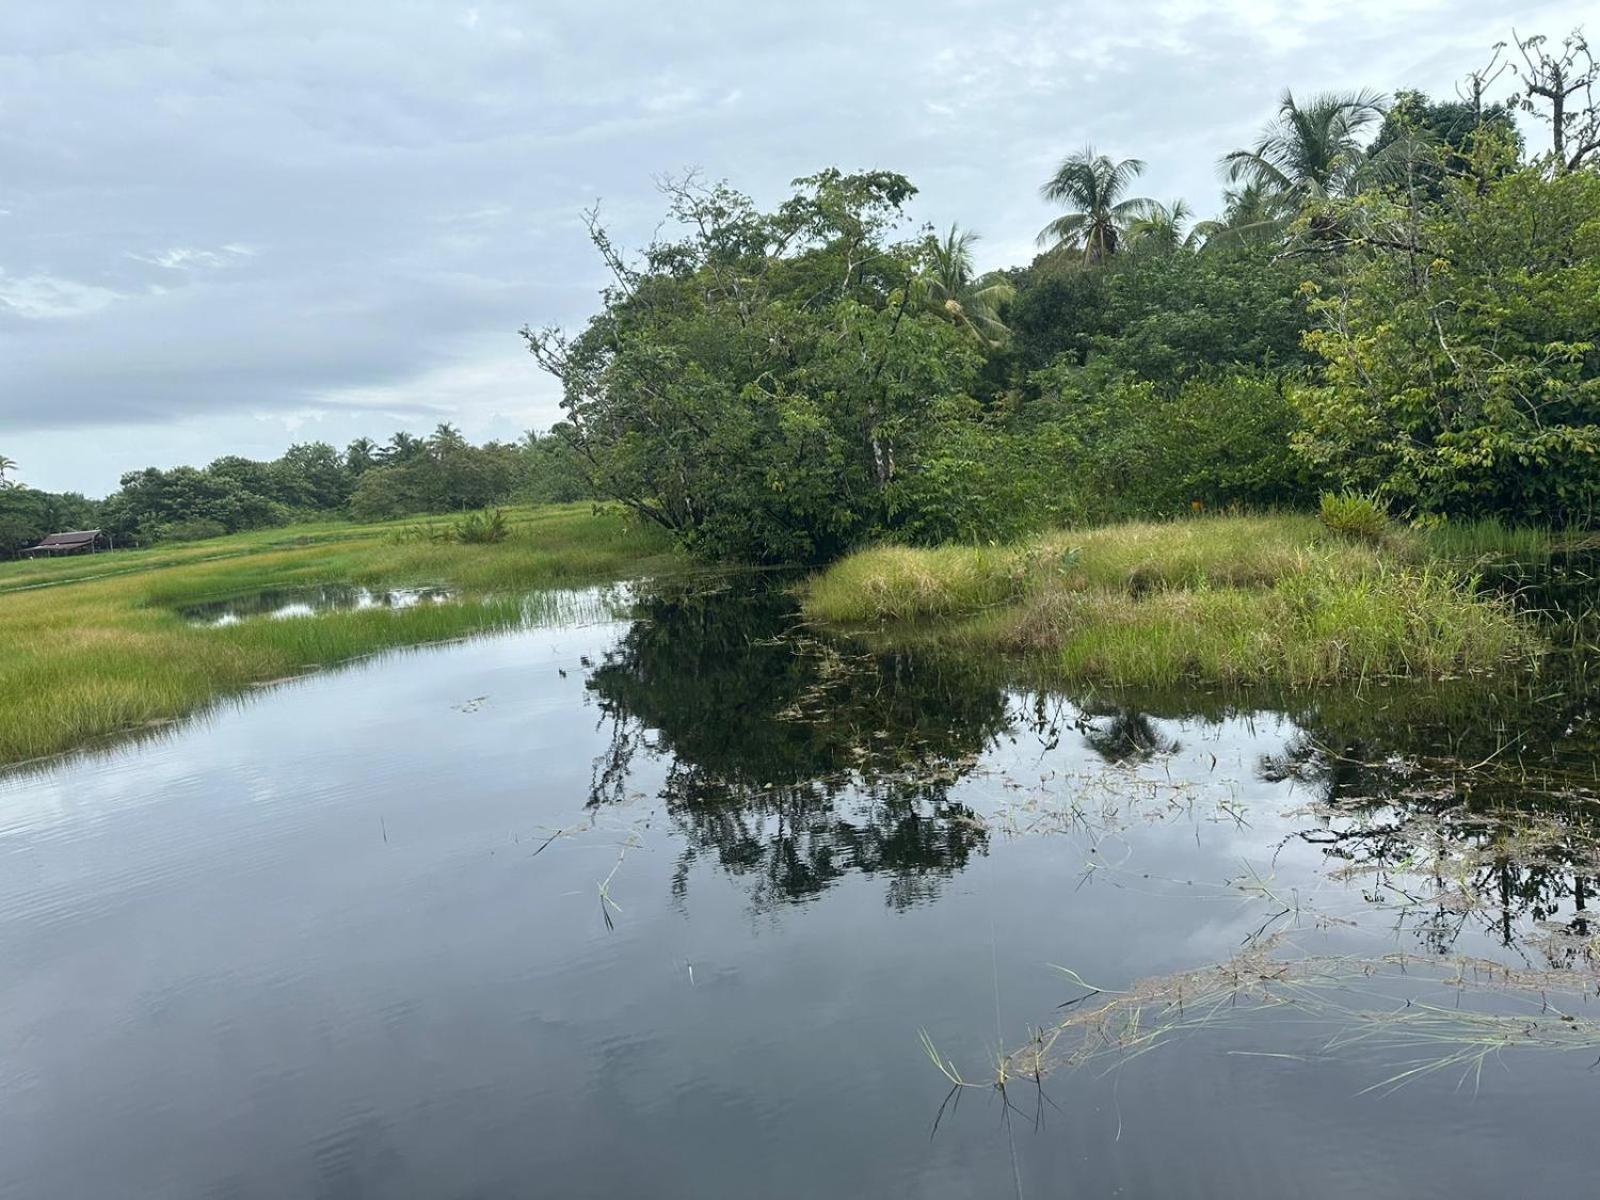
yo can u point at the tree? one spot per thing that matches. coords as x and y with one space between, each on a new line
1095 188
312 475
1163 229
1309 152
402 447
463 476
1558 88
757 384
1252 215
1422 141
445 440
7 464
360 456
552 473
946 286
1462 375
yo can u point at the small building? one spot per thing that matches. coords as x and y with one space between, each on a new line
81 541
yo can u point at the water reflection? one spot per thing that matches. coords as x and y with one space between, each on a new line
792 760
287 603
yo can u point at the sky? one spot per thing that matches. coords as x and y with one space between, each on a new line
226 227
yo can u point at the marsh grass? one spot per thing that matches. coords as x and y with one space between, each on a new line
1268 600
96 646
1410 1012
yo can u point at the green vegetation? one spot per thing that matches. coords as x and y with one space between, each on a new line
408 475
1235 600
1395 301
87 653
1355 515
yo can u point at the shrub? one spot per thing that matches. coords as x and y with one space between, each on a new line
481 528
1355 515
197 529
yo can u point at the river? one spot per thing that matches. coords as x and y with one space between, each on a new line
672 897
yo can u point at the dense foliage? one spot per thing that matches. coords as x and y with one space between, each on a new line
1462 373
1392 302
759 386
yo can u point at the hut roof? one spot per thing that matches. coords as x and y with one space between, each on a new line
65 541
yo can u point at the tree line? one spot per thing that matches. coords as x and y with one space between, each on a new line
367 480
1397 297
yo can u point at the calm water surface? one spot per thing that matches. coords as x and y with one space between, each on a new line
661 906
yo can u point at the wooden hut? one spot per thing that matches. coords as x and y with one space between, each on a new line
80 541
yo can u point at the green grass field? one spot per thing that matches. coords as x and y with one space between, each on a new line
94 646
1245 600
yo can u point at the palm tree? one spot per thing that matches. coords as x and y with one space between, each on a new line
6 464
361 455
947 287
402 447
1093 186
1251 215
1309 152
1161 230
446 439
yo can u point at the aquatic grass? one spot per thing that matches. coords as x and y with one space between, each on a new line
1108 1027
1265 600
101 653
1471 542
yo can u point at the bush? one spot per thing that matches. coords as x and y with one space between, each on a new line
197 529
1217 440
975 483
1355 515
481 528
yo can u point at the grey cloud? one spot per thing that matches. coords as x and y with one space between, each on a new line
215 213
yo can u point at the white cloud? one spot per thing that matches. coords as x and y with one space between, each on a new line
44 297
190 258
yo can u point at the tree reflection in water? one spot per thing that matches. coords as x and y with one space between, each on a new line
793 760
790 759
1484 811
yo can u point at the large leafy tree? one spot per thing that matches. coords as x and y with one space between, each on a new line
1461 368
1095 190
756 384
1310 151
360 456
947 286
6 465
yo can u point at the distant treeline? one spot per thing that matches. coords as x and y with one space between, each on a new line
368 481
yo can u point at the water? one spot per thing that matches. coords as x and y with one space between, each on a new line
662 906
285 603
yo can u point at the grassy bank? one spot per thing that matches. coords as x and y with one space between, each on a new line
1232 600
97 645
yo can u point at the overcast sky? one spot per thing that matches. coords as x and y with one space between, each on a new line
228 226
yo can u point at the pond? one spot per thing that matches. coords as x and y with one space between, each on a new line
688 901
285 603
